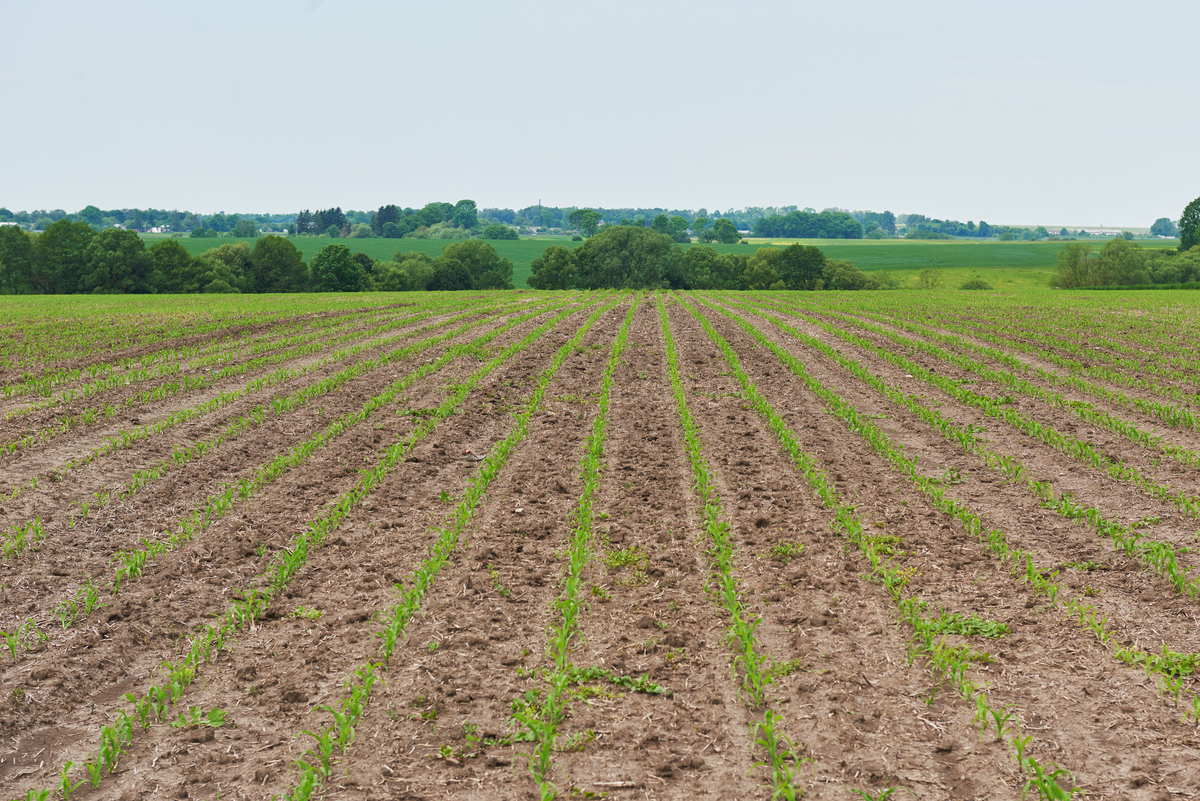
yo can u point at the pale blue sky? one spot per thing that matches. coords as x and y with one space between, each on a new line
1056 113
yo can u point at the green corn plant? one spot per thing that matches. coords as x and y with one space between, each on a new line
180 675
308 783
781 758
1194 712
882 795
1000 719
12 640
65 785
95 770
325 743
462 514
67 613
1042 489
1045 782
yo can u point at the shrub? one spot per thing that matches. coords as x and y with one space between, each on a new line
498 231
924 233
930 279
976 283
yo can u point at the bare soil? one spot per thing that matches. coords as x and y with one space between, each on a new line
862 712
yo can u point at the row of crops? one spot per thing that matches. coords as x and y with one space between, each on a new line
769 544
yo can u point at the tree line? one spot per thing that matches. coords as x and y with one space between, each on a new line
439 220
1124 263
550 217
73 257
146 219
810 225
636 257
435 220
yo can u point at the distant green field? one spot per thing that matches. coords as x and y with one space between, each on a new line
1005 265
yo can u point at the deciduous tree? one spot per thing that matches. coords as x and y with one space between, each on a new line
726 231
1163 226
1189 226
449 275
499 231
61 255
278 266
245 228
586 220
334 270
117 262
178 271
624 257
801 266
487 269
406 272
465 215
16 261
554 269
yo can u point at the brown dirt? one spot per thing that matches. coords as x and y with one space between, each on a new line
860 713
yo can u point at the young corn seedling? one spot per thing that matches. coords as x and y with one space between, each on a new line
781 757
65 785
196 717
325 744
882 795
1045 780
12 641
67 613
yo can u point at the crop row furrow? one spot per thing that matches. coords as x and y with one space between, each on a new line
254 599
129 371
947 662
1169 413
253 418
397 618
748 660
544 716
1159 556
1085 411
1083 452
1080 361
1170 666
313 343
132 562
